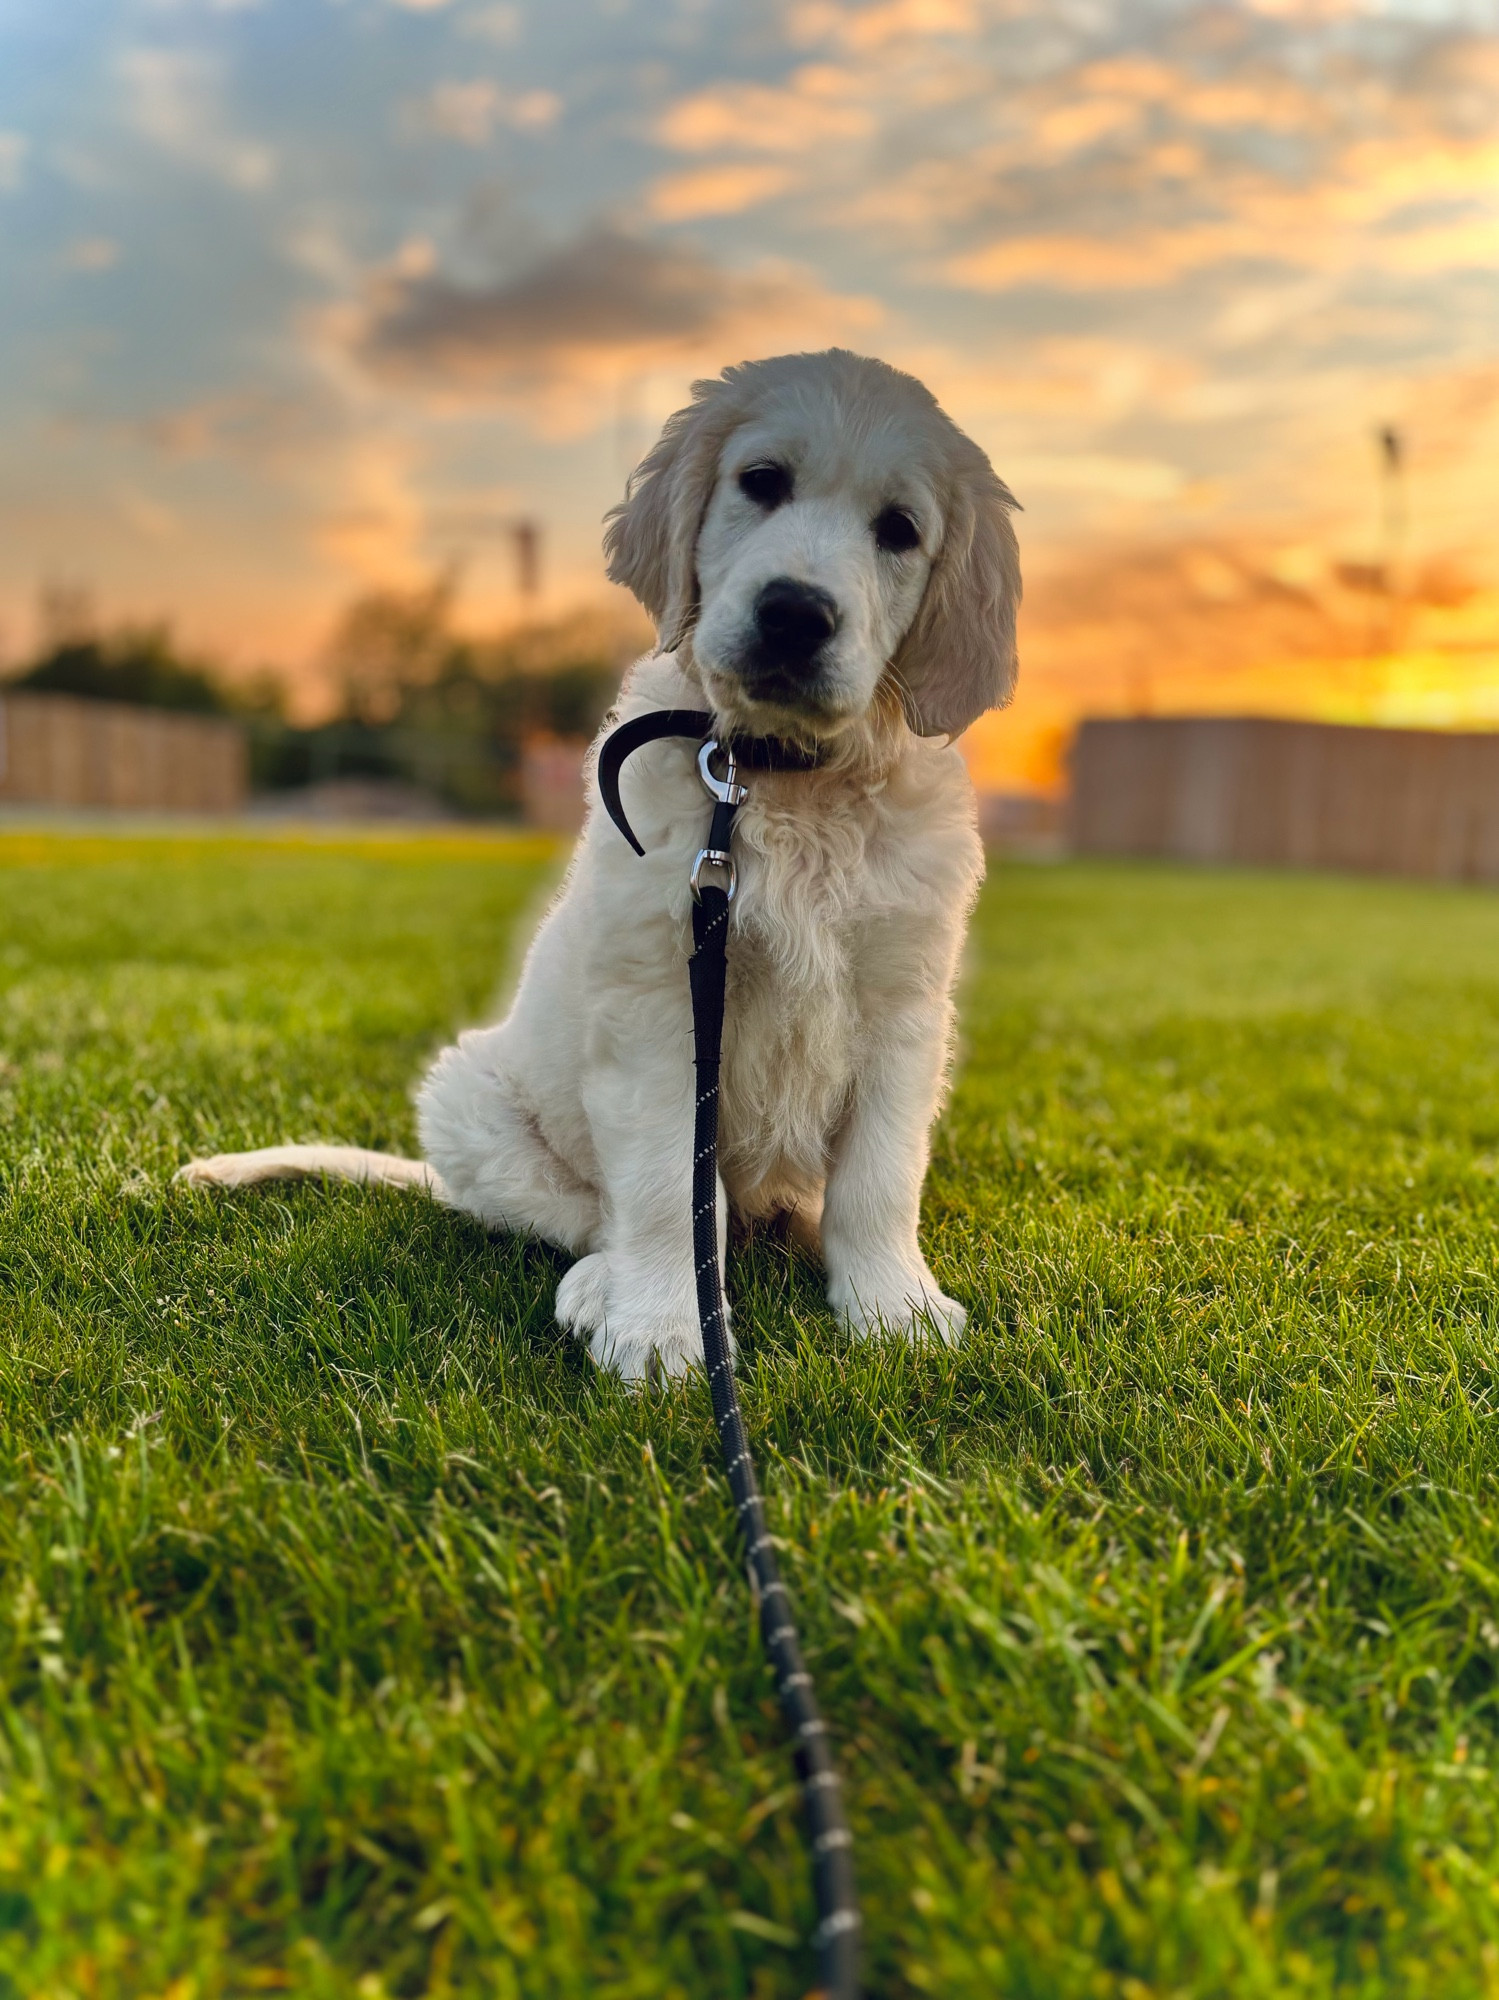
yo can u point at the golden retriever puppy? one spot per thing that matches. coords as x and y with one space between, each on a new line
829 561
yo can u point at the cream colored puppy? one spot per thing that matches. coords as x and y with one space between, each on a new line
828 559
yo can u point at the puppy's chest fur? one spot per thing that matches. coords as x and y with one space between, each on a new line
818 869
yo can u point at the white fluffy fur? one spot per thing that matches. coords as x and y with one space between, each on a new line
572 1119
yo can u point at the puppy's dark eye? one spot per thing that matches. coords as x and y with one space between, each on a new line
769 486
896 531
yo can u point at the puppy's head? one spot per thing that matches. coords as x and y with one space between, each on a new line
814 530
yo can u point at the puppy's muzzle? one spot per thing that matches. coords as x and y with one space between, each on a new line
793 623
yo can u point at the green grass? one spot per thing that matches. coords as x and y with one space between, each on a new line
356 1638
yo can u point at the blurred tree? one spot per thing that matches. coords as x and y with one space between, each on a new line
420 702
388 644
489 697
141 664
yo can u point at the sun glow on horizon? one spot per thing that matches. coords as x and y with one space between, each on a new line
310 299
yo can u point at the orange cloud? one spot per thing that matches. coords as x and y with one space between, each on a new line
1366 213
1094 472
1239 626
1079 263
724 190
818 103
375 526
876 27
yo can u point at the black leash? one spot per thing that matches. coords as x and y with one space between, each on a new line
837 1935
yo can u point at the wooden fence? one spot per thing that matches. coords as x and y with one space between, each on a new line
57 750
1289 794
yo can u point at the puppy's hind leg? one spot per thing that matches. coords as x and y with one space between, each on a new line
804 1223
491 1152
486 1151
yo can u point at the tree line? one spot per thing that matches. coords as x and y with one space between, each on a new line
415 699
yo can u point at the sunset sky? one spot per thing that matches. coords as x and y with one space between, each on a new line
305 295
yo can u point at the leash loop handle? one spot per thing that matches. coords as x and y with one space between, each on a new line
839 1927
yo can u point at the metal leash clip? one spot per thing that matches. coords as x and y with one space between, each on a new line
713 857
724 789
728 792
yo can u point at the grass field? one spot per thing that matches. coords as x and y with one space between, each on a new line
356 1638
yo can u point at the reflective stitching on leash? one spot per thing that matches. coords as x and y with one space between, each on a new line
828 1835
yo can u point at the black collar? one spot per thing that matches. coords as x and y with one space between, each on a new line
751 753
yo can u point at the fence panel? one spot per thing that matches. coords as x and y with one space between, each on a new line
59 750
1268 793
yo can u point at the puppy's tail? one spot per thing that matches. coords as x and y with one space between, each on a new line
302 1163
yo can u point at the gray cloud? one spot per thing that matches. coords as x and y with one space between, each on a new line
605 298
572 325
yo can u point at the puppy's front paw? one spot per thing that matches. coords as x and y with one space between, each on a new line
631 1333
904 1301
583 1295
666 1350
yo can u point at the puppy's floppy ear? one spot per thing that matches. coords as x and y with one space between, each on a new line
958 659
650 542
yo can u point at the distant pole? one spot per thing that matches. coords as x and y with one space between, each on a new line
65 614
526 537
1390 454
1392 487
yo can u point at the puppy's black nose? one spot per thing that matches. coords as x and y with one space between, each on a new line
794 619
